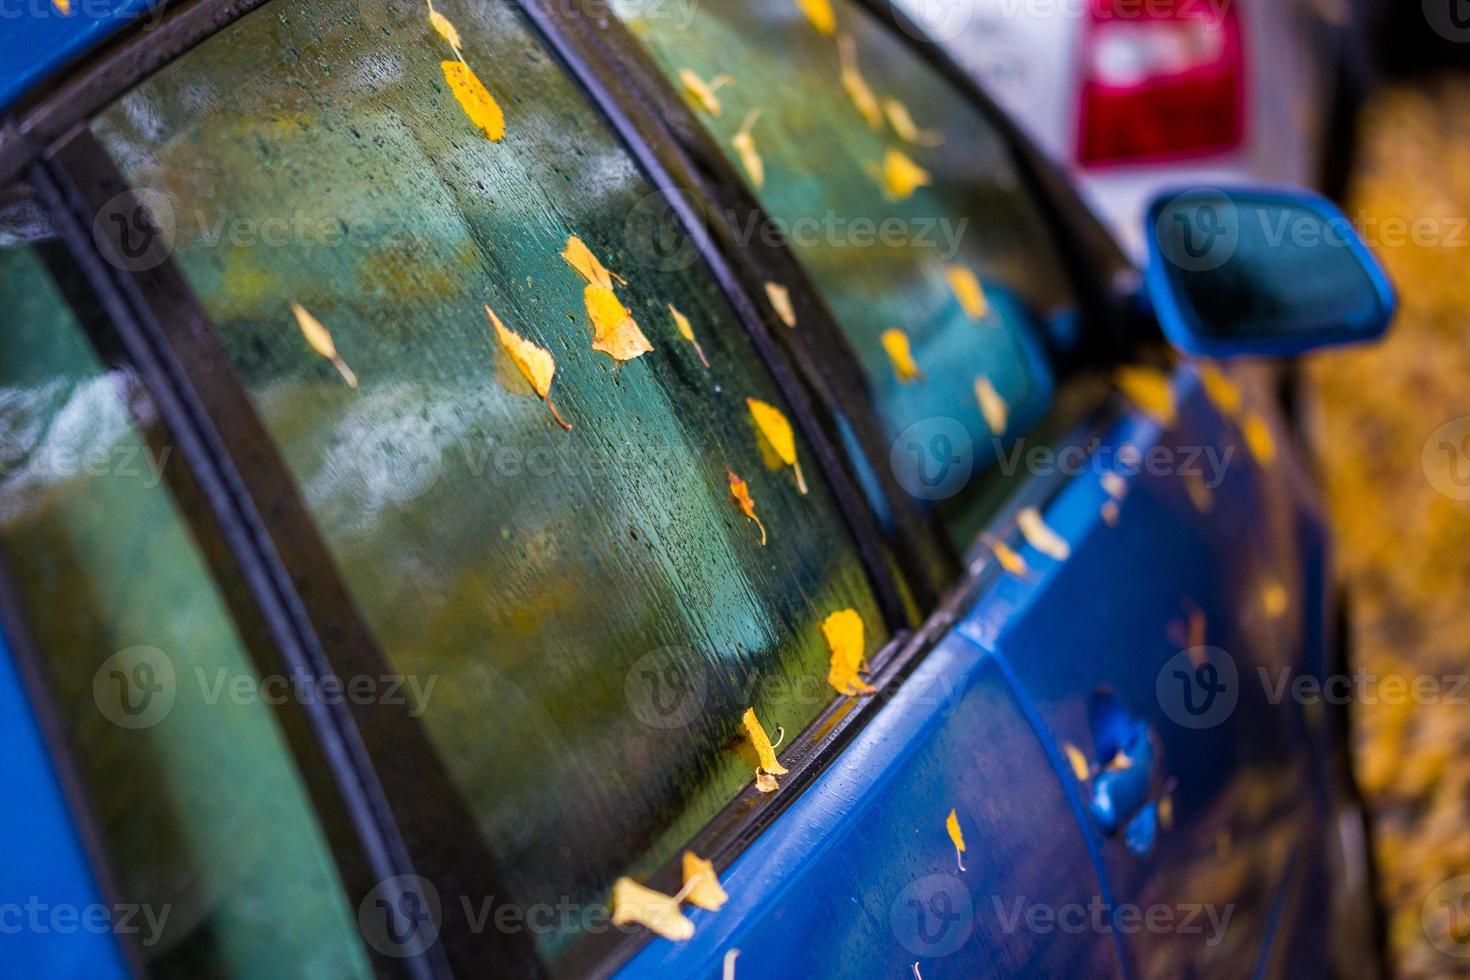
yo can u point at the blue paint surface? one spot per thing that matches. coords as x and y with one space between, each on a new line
37 41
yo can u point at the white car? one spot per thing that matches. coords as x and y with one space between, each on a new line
1135 96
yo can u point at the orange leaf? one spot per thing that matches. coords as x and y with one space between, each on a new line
773 425
321 341
580 257
1199 494
444 28
1274 599
1152 391
686 330
1223 392
614 331
952 824
660 913
476 101
896 344
966 287
740 492
536 363
764 750
702 884
1078 761
855 85
1008 557
1258 437
901 176
844 633
819 12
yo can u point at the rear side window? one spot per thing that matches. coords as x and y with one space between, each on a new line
903 204
206 824
592 606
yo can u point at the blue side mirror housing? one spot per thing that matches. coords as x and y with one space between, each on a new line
1239 272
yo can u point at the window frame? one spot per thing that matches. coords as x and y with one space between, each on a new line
815 369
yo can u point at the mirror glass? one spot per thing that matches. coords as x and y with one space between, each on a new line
1237 272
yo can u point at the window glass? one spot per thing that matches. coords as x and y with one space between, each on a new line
903 204
593 608
204 819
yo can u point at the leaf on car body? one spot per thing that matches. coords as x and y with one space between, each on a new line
750 157
445 29
702 884
776 431
767 768
321 341
658 912
992 406
819 12
1219 389
476 101
966 288
1077 761
1151 390
1040 536
686 330
855 85
1008 557
780 300
740 492
704 94
614 331
903 124
952 825
901 176
1258 437
844 634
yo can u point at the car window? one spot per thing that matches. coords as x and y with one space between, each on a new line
203 817
905 207
351 197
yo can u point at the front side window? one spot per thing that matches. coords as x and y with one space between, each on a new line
524 440
906 209
205 822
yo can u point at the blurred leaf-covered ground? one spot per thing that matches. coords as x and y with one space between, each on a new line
1404 547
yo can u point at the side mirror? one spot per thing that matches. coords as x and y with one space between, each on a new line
1258 272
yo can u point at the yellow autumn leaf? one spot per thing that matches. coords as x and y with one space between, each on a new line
1041 537
702 884
445 29
1115 485
819 12
1008 557
992 406
765 782
952 825
966 288
658 912
740 492
686 330
614 331
702 93
896 344
321 341
476 101
777 432
903 124
744 143
1274 599
64 6
901 176
580 257
780 299
1166 811
1258 437
843 631
765 752
1199 494
855 85
1152 391
1224 393
536 363
1078 762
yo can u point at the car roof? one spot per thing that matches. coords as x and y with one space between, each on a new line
42 40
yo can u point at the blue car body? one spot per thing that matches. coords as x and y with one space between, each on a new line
1226 827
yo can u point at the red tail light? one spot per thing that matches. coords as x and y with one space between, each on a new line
1162 79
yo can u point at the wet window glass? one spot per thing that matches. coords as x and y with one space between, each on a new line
416 246
205 822
903 204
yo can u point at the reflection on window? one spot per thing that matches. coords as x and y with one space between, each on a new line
203 817
904 206
593 608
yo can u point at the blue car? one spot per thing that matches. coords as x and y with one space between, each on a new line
646 488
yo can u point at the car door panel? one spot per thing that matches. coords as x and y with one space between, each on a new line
1192 591
859 876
